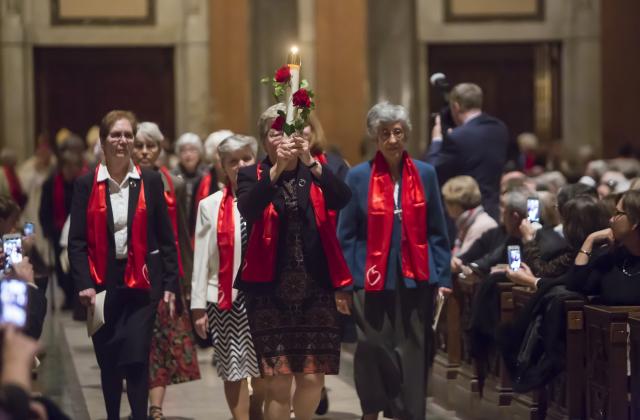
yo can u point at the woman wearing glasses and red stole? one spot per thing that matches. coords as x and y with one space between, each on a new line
121 241
221 238
293 273
173 357
393 234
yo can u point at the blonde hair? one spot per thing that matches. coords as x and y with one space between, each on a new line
318 141
463 191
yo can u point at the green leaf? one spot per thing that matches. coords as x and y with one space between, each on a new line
289 129
304 83
282 113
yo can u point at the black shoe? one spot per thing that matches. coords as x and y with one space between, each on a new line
323 405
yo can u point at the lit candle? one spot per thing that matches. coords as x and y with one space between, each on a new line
294 63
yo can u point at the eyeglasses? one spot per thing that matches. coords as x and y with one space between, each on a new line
385 134
117 135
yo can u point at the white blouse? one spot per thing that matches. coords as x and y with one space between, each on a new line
119 197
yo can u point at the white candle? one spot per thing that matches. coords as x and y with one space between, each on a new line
293 61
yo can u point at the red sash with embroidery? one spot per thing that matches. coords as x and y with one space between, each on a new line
226 238
15 189
263 244
172 209
136 274
415 257
59 208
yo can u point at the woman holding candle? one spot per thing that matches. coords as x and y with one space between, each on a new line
393 234
121 241
219 244
173 358
294 272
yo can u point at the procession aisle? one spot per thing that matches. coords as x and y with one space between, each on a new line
69 374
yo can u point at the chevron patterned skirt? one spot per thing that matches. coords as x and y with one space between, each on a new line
232 343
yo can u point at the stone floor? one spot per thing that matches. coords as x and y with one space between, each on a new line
69 374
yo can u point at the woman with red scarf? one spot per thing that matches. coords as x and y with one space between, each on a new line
173 357
394 237
121 242
217 308
293 274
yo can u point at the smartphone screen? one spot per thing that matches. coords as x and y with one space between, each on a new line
28 229
13 302
533 210
513 255
12 245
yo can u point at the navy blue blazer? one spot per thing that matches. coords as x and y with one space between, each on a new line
478 149
352 230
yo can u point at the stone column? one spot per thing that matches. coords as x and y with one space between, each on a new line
16 125
274 26
192 70
393 57
581 82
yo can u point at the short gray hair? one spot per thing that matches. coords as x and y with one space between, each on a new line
387 113
236 142
189 139
213 141
516 200
150 130
266 119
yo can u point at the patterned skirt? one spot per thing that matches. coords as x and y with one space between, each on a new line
173 358
234 352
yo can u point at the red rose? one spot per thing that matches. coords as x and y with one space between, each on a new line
301 99
278 123
283 75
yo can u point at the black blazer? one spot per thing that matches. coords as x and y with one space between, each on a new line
45 214
162 265
254 196
478 149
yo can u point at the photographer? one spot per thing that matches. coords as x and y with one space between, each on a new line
477 146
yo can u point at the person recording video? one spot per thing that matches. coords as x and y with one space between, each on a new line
476 146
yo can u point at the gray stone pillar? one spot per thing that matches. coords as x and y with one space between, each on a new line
274 25
393 57
16 122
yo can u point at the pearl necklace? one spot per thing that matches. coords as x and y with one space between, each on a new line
625 269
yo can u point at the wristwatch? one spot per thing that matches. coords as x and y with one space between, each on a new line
313 164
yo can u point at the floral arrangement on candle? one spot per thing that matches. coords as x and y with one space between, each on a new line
286 91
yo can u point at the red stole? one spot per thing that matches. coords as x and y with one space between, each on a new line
15 189
333 215
226 239
172 209
59 209
261 255
415 257
136 274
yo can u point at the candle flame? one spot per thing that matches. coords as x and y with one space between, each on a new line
294 50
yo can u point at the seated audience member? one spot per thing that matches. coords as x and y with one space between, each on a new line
569 192
550 181
37 306
491 248
462 199
612 271
584 215
613 182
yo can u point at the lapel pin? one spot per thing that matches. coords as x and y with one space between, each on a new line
302 183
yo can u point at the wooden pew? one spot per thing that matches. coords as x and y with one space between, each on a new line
634 356
607 386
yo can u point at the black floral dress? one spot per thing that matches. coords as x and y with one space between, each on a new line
295 328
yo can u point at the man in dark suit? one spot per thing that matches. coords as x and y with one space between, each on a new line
477 146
